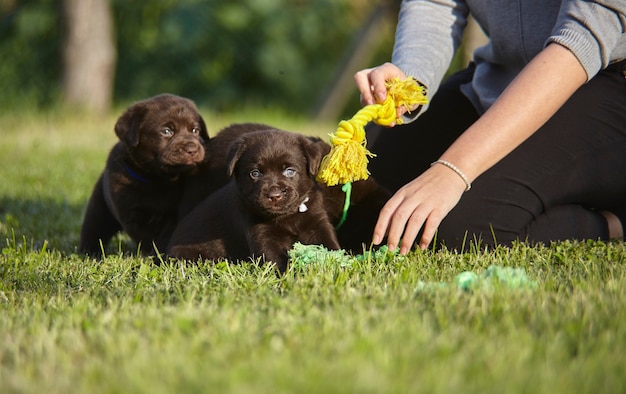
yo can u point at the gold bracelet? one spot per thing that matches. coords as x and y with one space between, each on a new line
454 168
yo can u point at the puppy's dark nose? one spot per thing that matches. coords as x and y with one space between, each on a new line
190 149
275 194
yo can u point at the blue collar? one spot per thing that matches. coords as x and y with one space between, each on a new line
134 175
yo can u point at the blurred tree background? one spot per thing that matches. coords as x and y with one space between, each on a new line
223 54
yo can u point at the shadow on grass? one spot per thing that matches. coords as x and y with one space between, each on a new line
53 223
38 221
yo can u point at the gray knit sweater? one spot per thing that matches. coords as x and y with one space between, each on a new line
430 31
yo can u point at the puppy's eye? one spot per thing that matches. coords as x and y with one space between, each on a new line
289 172
167 132
255 174
195 130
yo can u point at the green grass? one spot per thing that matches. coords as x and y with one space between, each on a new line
72 325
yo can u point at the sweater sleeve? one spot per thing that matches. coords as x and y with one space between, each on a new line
594 31
428 34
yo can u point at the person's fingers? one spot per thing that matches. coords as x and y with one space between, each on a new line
411 230
397 219
378 78
384 217
363 84
396 228
430 229
372 82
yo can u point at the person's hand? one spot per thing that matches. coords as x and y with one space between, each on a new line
371 84
425 201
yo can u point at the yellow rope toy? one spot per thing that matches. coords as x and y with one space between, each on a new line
348 158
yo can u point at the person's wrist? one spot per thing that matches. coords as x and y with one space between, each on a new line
456 170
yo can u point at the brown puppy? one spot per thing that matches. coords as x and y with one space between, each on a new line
271 202
366 200
161 143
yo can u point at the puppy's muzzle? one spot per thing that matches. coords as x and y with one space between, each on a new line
275 194
186 153
276 200
191 149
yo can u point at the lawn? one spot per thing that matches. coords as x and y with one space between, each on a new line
380 324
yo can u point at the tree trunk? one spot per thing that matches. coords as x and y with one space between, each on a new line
89 54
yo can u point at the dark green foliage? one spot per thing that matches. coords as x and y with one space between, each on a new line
222 53
30 53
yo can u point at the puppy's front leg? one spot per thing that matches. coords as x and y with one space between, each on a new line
272 243
326 236
99 224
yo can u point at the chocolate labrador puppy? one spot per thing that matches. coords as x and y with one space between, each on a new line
271 202
366 200
162 144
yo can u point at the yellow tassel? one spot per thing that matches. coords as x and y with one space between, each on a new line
348 158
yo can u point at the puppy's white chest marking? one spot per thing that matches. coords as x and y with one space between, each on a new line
303 207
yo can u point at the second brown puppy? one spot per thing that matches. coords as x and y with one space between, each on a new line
271 202
142 189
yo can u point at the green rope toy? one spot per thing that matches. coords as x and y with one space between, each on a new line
494 277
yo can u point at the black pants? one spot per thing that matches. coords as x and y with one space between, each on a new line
548 189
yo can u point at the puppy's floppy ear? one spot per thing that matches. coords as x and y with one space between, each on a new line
127 126
315 149
203 131
234 154
194 109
